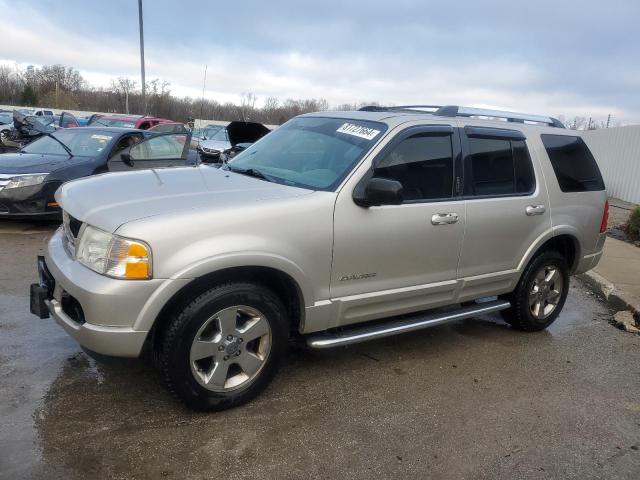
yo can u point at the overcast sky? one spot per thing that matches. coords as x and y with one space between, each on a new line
548 57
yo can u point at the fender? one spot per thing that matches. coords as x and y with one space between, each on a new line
545 237
171 286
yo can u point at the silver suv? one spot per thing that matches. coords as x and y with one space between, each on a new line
336 228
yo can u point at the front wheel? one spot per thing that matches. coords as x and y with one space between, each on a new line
224 347
540 294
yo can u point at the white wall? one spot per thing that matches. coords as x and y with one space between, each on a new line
617 151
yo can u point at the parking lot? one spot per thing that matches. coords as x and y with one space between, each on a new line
471 399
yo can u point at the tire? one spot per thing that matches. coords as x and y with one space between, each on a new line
209 358
531 313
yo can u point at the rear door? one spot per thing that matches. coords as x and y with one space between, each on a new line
159 151
507 208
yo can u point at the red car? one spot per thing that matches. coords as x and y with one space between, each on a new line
128 121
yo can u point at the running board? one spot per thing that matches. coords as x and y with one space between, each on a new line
394 327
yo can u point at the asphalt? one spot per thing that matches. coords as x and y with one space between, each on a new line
472 399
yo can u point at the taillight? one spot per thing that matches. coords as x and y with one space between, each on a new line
605 217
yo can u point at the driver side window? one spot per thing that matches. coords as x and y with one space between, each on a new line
423 164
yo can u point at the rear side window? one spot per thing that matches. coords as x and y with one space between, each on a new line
573 163
498 166
423 164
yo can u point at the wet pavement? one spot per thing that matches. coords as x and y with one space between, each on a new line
472 399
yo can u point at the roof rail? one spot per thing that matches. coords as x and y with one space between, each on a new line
401 108
456 111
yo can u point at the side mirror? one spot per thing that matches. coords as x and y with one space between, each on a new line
379 191
126 158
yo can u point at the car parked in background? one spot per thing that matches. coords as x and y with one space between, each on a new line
234 133
200 134
30 177
6 120
128 121
174 127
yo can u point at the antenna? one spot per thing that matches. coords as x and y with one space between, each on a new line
204 83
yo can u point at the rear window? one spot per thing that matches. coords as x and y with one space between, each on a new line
573 163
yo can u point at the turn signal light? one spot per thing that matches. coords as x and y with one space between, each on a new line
605 217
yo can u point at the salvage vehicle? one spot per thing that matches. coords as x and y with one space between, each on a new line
141 122
26 128
30 178
228 137
336 228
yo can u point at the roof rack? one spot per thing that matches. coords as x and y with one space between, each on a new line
458 111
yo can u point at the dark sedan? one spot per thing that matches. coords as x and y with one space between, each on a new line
30 177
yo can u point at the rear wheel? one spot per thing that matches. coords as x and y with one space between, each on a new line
540 294
225 346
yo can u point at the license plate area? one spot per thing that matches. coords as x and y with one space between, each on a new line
42 291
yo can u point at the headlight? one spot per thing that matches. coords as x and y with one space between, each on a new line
26 180
113 255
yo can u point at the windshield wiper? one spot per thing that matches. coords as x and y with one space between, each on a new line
67 149
252 172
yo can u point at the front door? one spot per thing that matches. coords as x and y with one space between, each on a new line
162 150
395 259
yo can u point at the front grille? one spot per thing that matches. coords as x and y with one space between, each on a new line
71 227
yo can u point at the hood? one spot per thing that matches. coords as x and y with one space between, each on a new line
30 163
110 200
245 132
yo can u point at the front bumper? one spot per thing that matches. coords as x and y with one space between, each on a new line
97 311
36 201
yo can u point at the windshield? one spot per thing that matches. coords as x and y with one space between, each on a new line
310 152
113 122
82 143
220 135
6 118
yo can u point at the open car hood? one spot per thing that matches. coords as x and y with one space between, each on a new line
245 132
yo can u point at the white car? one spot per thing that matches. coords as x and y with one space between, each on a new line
226 138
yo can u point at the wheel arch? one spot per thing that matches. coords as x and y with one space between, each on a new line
562 241
280 282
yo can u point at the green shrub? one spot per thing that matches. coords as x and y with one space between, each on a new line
634 222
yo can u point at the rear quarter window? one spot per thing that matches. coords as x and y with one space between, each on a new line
573 163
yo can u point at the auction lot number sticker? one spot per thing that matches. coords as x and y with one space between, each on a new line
358 131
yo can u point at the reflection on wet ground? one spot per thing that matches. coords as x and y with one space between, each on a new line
469 399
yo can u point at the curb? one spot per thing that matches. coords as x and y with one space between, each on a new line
614 296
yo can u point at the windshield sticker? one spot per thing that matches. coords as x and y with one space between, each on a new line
103 138
358 131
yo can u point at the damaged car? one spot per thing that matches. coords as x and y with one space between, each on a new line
226 139
30 177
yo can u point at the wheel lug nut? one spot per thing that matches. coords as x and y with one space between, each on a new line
226 357
238 353
221 348
229 337
239 340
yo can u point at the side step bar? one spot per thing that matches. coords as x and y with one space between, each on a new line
394 327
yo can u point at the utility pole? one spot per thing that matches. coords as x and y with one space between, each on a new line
608 120
144 98
204 83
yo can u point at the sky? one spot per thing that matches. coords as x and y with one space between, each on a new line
545 57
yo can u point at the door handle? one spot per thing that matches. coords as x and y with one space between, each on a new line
444 218
534 210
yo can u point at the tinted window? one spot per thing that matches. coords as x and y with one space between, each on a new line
423 164
497 166
575 167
